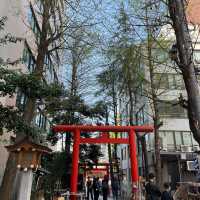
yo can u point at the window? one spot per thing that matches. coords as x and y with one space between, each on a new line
178 138
30 16
140 116
167 137
28 59
169 81
40 6
162 56
179 82
187 138
171 109
172 81
174 139
49 69
21 100
40 120
33 23
25 56
161 81
196 56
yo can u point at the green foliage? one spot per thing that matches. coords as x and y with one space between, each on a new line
93 153
29 84
11 81
56 165
11 119
72 109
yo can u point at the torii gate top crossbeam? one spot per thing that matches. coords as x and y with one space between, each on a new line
103 128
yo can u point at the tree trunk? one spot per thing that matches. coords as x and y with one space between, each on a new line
186 64
74 81
109 150
145 156
156 125
131 100
155 107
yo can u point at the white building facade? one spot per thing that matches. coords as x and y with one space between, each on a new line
178 147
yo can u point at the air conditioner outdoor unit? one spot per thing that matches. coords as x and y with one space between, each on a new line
178 148
196 148
186 148
191 166
164 148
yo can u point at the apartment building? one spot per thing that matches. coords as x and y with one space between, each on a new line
24 20
178 147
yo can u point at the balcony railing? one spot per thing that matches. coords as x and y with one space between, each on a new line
180 148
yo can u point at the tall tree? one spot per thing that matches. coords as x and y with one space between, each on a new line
183 56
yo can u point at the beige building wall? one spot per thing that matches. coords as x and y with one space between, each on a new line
15 11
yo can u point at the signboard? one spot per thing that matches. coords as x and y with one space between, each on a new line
96 173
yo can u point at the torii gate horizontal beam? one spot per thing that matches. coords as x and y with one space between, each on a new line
102 128
95 164
96 169
104 140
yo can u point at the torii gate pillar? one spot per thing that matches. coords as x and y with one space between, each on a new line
133 156
75 161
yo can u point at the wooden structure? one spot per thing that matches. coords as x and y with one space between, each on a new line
28 153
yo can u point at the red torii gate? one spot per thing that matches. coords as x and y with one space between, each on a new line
104 165
104 168
104 138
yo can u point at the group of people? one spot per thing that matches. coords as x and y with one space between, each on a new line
154 193
95 187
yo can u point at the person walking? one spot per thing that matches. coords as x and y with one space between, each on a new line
115 187
96 188
166 195
152 191
180 192
89 189
105 187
